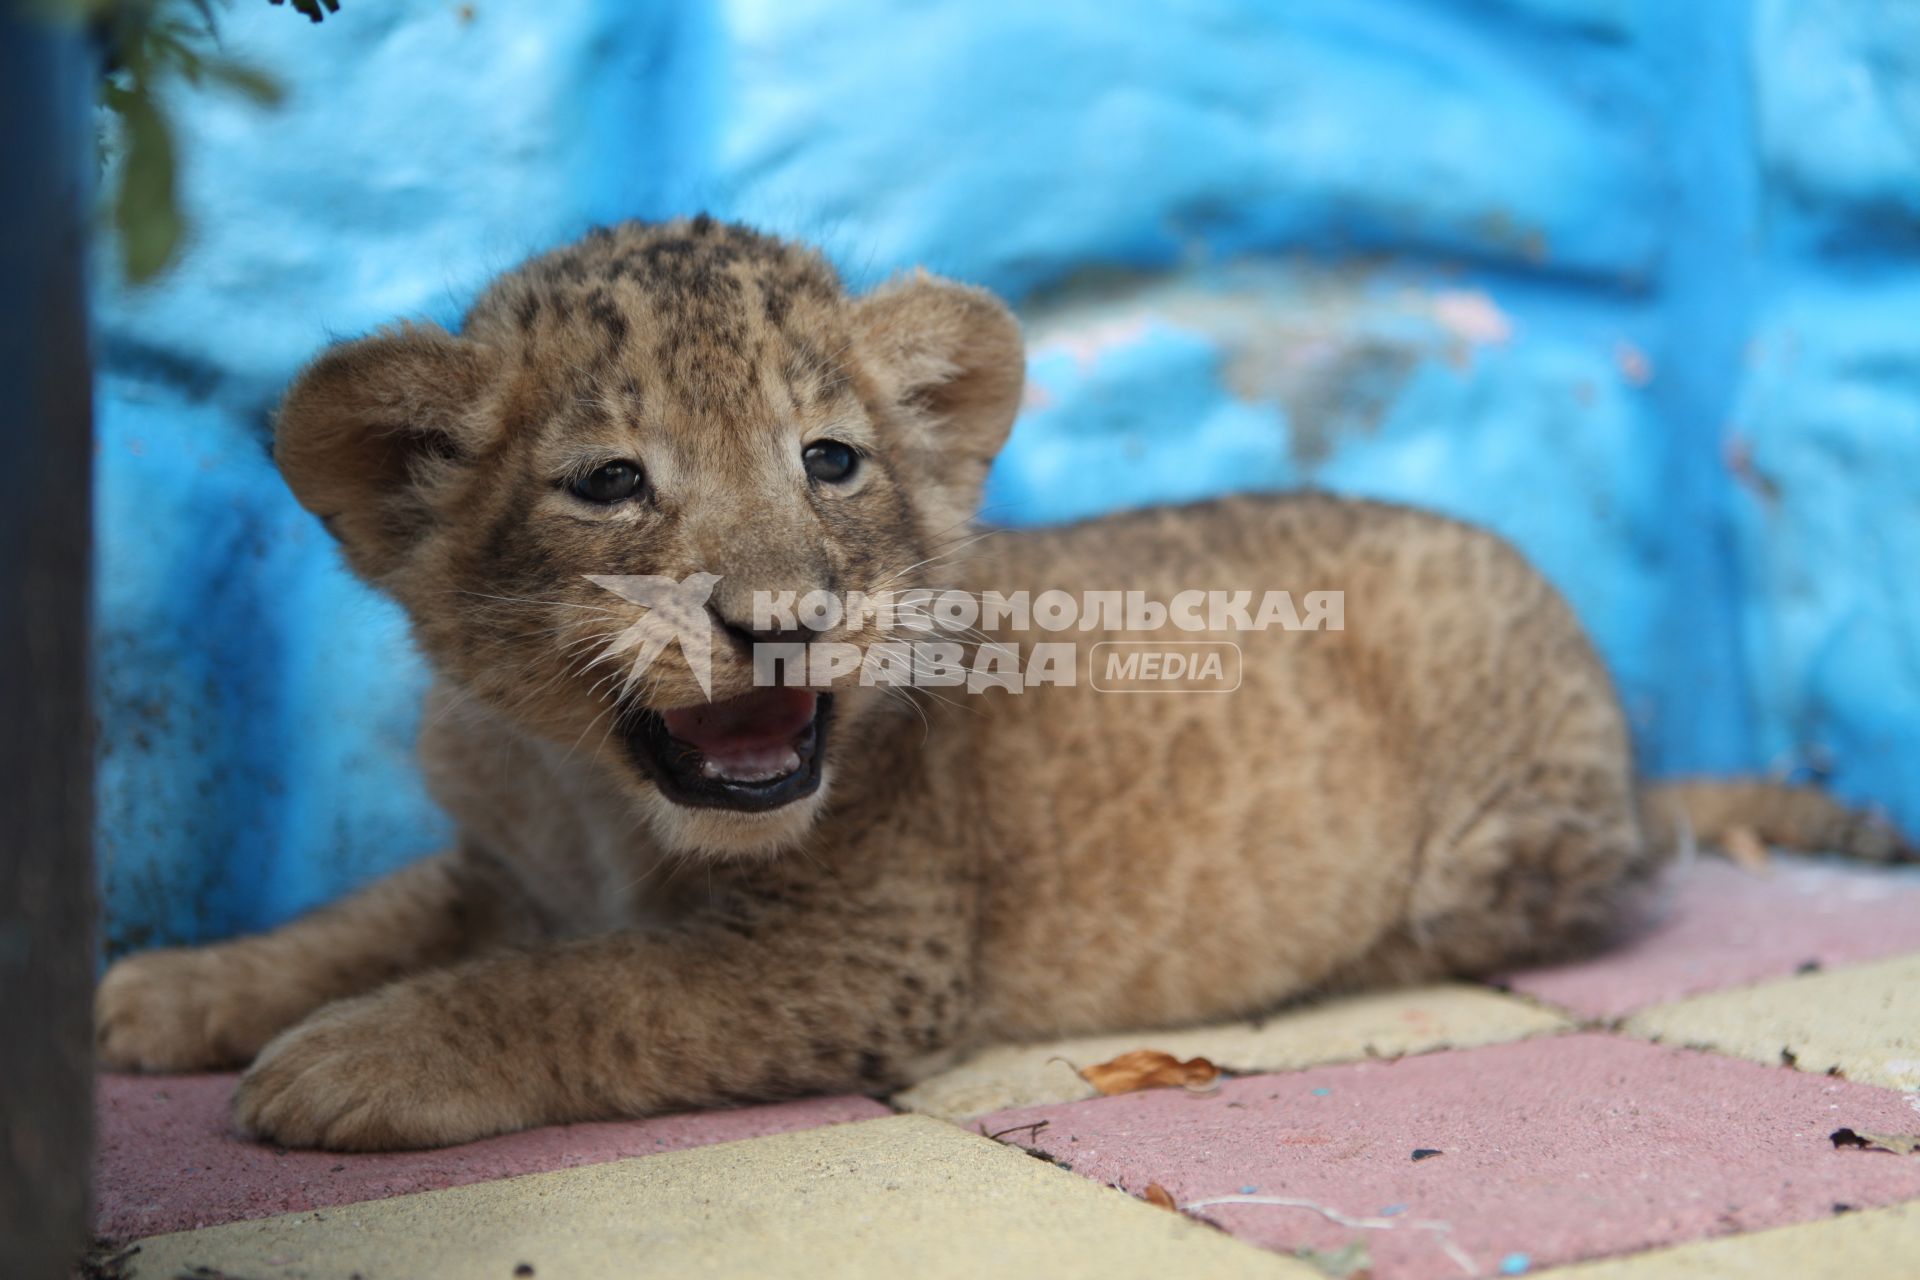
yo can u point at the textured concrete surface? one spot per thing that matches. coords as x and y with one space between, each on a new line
1545 1149
1551 1151
1879 1244
1863 1022
1727 927
166 1159
906 1196
1387 1024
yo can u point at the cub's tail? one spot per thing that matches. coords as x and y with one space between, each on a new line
1728 813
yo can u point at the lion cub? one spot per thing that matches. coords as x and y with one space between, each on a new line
679 884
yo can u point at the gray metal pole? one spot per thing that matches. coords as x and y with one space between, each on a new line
46 793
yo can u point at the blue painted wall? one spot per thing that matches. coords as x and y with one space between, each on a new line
1635 282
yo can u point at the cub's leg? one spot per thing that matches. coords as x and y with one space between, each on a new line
200 1008
776 989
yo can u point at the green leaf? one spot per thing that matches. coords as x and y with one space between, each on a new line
145 210
78 12
166 49
207 20
241 78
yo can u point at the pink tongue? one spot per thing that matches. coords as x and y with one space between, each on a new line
761 720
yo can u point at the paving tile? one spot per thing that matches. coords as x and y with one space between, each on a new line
165 1157
904 1196
1863 1021
1386 1024
1880 1244
1725 927
1554 1150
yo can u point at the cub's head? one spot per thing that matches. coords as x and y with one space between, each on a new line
630 443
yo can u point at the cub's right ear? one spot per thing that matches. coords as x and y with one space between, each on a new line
367 430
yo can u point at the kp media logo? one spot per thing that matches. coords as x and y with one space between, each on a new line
925 638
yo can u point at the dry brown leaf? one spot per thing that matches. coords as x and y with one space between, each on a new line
1746 850
1150 1069
1160 1197
1900 1144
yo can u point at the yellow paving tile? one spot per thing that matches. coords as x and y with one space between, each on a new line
1386 1024
1880 1244
1863 1019
904 1196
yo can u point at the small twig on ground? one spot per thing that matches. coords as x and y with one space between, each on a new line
1031 1130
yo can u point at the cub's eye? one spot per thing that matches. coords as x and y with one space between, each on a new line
830 461
607 483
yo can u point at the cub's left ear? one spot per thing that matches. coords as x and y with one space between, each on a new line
949 360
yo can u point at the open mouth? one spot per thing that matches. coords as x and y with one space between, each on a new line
755 752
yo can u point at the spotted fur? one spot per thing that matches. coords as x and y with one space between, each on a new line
1444 786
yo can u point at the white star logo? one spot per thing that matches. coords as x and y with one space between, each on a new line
674 611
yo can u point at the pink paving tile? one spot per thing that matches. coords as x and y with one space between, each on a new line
1554 1150
166 1159
1724 927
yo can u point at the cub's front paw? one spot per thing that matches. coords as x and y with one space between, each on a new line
184 1009
383 1072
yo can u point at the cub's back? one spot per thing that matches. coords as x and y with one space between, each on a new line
1202 851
